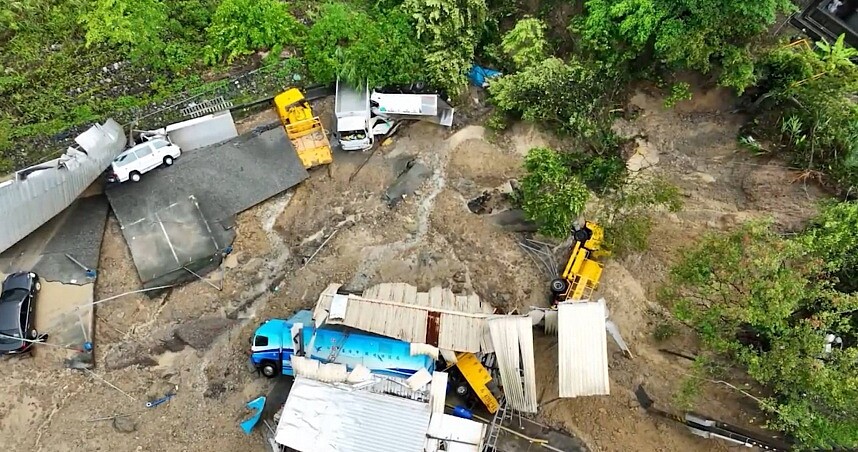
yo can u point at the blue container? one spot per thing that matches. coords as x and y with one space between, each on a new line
462 412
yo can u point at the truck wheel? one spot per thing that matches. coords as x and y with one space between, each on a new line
462 389
135 176
269 370
559 286
583 234
168 160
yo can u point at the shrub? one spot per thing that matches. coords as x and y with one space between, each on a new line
241 27
357 47
572 97
525 44
551 195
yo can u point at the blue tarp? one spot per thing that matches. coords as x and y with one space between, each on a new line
479 75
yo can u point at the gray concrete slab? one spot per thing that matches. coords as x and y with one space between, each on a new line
79 237
170 239
224 180
77 231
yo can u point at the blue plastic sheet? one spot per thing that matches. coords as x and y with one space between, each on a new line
479 75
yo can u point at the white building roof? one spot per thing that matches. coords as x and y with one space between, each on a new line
582 348
437 317
512 337
319 417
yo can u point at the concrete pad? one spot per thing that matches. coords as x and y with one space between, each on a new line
169 240
224 180
77 231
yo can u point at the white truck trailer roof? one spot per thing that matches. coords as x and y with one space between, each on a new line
351 101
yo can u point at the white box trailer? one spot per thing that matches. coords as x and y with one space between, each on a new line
353 113
429 107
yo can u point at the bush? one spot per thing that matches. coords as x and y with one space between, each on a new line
358 47
810 112
525 44
451 30
551 195
571 97
241 27
767 303
626 211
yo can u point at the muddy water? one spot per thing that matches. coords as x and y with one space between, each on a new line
64 311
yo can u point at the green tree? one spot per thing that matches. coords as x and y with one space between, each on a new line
241 27
137 25
679 33
451 30
767 303
525 44
359 47
551 195
572 97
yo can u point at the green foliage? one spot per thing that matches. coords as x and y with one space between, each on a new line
571 97
241 27
678 92
551 195
737 69
497 121
134 24
664 330
451 30
810 112
626 211
766 303
525 44
679 33
358 47
599 173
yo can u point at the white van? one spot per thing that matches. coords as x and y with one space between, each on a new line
132 163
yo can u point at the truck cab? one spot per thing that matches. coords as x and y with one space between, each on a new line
276 341
353 114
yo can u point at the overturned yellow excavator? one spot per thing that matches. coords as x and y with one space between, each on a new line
581 274
303 128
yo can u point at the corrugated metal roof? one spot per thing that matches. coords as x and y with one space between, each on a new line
437 317
513 342
40 192
319 417
582 348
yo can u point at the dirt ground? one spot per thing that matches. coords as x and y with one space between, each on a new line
194 339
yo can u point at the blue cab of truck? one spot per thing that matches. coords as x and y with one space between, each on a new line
276 340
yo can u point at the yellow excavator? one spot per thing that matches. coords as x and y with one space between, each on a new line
580 276
303 129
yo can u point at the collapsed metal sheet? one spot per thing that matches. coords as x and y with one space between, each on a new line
582 349
38 193
203 131
512 337
320 417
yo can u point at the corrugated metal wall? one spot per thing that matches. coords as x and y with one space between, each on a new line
437 317
39 193
513 343
583 349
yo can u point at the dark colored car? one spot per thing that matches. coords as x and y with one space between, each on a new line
17 305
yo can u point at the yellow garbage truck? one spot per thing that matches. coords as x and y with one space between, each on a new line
303 129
